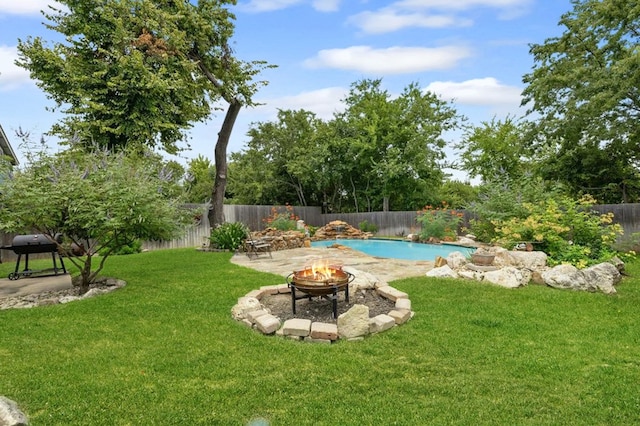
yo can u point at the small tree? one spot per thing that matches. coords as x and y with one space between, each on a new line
97 201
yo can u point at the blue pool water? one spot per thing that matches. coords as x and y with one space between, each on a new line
397 249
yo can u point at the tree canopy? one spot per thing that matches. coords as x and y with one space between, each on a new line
380 153
494 150
140 72
585 89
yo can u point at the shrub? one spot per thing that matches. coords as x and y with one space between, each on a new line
439 222
117 248
282 220
568 231
366 226
229 235
501 201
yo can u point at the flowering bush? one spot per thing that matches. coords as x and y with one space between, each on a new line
567 231
282 220
440 223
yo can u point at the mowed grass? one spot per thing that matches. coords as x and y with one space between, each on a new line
165 351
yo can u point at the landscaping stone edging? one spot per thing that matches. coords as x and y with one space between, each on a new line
354 324
102 286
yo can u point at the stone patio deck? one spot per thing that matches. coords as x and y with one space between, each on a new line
285 262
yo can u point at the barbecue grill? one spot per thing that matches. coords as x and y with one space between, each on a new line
34 244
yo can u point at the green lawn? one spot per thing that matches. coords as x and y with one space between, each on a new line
165 351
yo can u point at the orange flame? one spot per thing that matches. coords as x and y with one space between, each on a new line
320 270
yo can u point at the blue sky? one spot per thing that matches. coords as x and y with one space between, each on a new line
473 52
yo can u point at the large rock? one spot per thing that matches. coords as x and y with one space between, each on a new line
354 323
456 260
567 277
509 277
618 263
442 272
605 275
362 280
531 260
513 269
10 414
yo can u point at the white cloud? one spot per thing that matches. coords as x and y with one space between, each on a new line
431 14
389 20
392 60
478 92
11 76
257 6
461 4
323 102
25 7
326 5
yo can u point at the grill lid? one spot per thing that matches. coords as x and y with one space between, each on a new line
34 243
31 240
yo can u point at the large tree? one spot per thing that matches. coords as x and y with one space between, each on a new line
394 145
585 89
141 72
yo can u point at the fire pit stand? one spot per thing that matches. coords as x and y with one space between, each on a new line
327 288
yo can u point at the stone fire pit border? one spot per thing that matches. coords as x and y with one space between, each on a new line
354 324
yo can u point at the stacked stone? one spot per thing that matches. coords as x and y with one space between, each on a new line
280 240
354 324
339 229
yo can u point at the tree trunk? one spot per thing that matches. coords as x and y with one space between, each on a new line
85 275
385 204
216 213
355 196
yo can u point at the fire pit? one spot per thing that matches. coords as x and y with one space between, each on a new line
320 280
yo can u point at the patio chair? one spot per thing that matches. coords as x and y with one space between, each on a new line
254 248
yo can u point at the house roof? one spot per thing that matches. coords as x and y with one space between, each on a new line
6 148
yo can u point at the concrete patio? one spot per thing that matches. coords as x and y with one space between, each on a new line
33 285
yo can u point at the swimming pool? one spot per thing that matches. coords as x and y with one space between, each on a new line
397 249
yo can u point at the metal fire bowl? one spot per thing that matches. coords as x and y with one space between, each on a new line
338 281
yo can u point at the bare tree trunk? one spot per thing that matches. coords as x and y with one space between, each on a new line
355 196
385 204
216 213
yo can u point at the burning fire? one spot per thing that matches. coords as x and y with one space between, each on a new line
320 270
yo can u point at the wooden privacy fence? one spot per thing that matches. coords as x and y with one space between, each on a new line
252 216
388 223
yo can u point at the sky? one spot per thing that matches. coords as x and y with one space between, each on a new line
472 53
